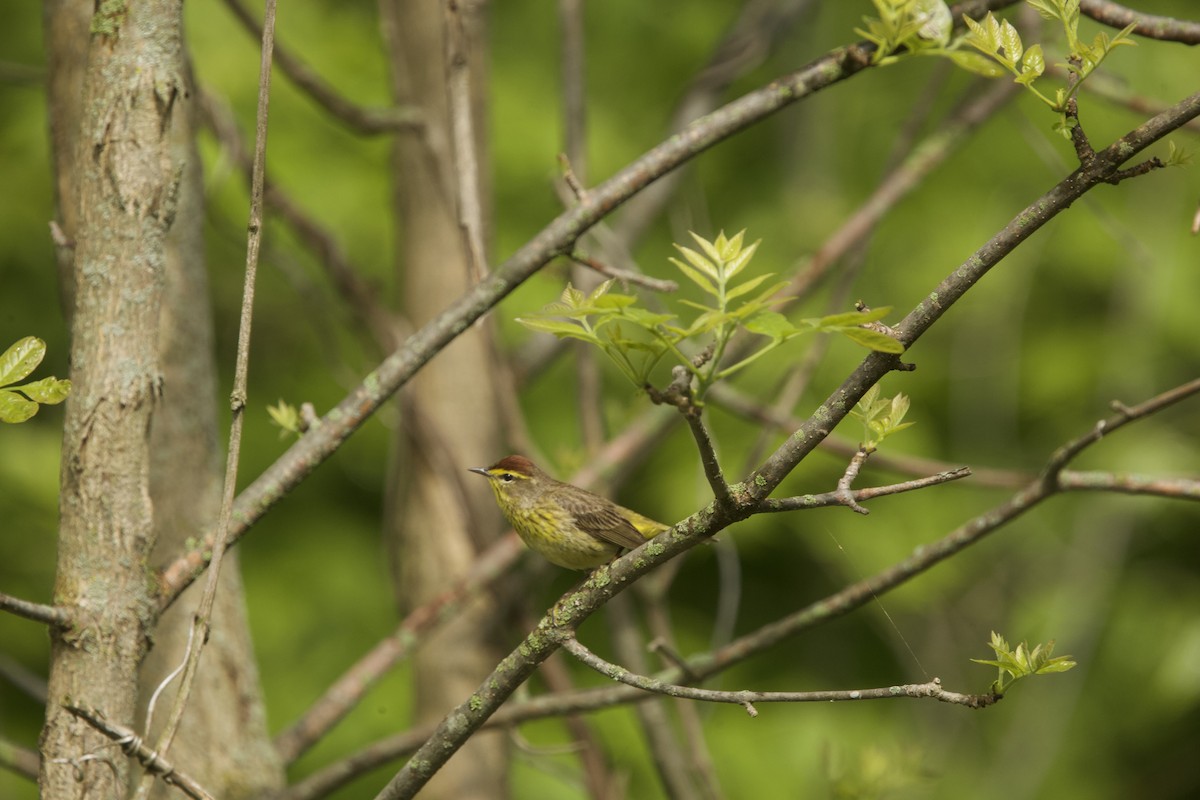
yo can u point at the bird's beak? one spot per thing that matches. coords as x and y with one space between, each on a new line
480 470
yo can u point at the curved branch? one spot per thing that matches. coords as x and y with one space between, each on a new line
1167 29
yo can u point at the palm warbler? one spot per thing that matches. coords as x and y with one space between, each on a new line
571 527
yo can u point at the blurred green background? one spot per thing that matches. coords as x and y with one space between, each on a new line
1100 305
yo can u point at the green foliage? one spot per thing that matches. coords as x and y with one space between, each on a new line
1177 156
880 416
1022 662
636 339
922 27
286 417
19 403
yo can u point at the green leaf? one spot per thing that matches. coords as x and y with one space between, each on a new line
709 248
50 391
772 324
1010 40
600 290
872 340
558 328
610 302
701 281
646 318
976 63
285 416
700 262
740 259
15 408
748 286
854 317
571 297
1045 8
935 19
21 359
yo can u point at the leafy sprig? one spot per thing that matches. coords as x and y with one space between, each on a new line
880 417
636 339
1021 662
991 47
19 403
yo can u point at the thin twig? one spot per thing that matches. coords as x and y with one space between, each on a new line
202 620
368 310
360 118
731 399
623 275
48 615
933 689
838 498
666 751
462 132
21 760
346 692
153 762
1125 414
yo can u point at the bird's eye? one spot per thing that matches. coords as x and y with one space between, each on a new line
508 477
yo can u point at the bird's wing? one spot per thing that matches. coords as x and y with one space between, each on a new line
607 524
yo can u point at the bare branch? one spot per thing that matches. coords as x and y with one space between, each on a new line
462 129
838 498
345 693
48 615
1152 27
21 760
1124 483
623 275
362 119
398 368
131 745
933 689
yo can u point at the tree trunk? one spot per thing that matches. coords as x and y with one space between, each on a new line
128 182
439 523
142 464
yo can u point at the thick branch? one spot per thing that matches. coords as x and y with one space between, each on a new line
1098 170
555 239
1148 25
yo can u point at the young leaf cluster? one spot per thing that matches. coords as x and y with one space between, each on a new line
1001 42
286 417
636 339
923 27
1022 662
880 417
19 403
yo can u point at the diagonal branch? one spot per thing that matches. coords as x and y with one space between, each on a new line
555 239
1148 25
132 746
933 689
608 580
361 118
